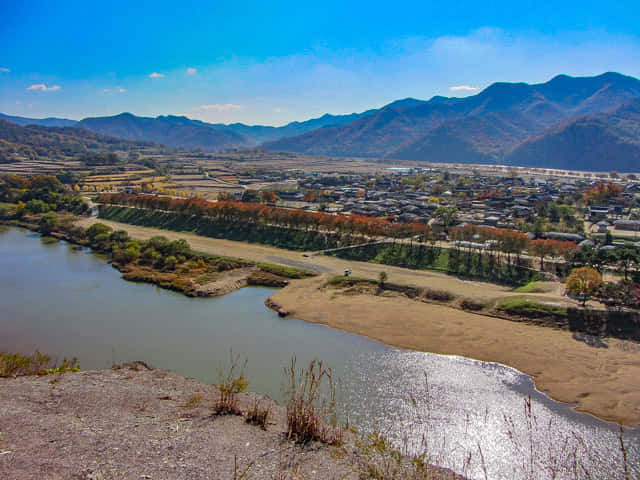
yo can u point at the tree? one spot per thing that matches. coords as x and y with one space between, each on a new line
269 197
382 278
250 196
541 248
583 283
97 229
627 256
48 223
225 197
448 216
309 196
619 295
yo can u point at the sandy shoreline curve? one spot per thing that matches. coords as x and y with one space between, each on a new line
601 380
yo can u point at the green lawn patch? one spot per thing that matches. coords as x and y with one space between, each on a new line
526 308
533 287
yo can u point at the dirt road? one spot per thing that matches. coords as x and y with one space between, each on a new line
336 266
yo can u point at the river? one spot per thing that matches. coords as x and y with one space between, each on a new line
472 415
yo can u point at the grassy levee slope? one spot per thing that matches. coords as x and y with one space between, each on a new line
452 261
209 227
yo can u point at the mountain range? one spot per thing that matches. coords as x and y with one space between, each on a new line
180 131
515 123
568 122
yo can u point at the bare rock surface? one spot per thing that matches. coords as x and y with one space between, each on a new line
137 423
143 424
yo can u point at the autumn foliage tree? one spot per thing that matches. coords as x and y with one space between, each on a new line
584 282
268 196
601 192
548 247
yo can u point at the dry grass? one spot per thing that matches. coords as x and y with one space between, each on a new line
258 415
231 381
17 365
194 401
311 404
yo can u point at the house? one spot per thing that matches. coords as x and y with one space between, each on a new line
633 225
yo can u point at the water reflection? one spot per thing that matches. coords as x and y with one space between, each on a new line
471 414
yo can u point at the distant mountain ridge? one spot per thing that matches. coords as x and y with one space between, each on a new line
485 128
180 131
551 124
43 122
169 130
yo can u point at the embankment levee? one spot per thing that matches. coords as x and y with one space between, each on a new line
600 378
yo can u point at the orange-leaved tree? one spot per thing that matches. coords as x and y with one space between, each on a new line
583 283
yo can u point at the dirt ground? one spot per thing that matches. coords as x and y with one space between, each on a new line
145 424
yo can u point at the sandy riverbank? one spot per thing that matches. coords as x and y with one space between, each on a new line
602 380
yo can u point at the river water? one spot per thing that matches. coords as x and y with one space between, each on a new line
471 416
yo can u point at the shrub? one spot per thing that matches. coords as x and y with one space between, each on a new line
170 262
97 229
471 304
231 382
16 365
308 408
257 415
48 223
437 295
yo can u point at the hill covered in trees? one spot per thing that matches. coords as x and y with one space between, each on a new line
35 142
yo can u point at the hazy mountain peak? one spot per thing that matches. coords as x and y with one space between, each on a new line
404 103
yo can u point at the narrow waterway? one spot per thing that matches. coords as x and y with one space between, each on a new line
472 414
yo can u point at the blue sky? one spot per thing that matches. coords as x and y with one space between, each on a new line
275 62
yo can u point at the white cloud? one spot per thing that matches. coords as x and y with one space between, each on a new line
41 87
219 107
278 109
114 90
5 70
156 75
463 88
191 71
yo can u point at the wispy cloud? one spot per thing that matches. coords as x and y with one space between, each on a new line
156 75
191 71
463 88
4 70
218 107
277 109
41 87
114 90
